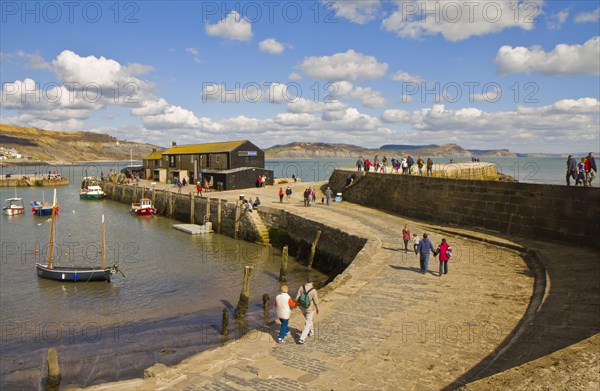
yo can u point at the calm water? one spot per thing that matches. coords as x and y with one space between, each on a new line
166 308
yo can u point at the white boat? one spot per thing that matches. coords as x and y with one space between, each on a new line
13 206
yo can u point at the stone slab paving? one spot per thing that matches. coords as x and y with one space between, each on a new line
387 327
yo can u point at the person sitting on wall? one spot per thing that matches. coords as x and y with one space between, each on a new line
256 202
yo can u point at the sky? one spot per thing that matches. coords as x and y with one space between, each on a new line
484 74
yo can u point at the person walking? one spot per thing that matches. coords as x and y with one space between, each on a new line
328 195
198 189
359 164
581 173
406 237
593 169
280 193
283 306
420 164
429 167
309 311
416 241
571 169
424 249
288 194
445 252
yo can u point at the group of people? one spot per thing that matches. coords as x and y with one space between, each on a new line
283 306
406 165
261 181
583 172
423 248
248 205
287 193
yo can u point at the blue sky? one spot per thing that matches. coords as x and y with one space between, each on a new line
522 75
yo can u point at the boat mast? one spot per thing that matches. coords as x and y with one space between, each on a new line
102 254
51 232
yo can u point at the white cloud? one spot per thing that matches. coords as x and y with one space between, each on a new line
356 11
588 17
563 60
456 21
271 46
192 51
556 21
407 77
368 97
303 105
234 27
34 60
567 123
350 65
294 76
72 68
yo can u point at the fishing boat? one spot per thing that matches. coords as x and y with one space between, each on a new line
74 273
91 189
143 208
43 208
13 206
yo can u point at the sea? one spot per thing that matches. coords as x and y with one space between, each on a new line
169 303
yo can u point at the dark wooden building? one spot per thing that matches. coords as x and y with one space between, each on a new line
230 164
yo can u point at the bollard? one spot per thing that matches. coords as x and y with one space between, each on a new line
313 249
53 382
266 307
242 307
284 264
225 322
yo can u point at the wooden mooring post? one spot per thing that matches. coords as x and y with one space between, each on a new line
225 322
191 208
313 249
219 211
53 381
242 306
266 301
237 220
284 265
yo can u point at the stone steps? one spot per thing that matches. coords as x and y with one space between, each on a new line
263 231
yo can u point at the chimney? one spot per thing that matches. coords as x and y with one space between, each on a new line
173 143
153 149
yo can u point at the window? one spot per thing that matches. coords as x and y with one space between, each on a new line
171 161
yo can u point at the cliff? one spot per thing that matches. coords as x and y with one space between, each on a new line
48 145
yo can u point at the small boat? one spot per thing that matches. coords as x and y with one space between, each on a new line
13 206
91 190
74 273
143 208
43 208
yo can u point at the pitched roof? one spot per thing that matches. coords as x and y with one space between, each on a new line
154 156
224 146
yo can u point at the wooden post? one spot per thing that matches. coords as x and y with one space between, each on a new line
266 302
219 217
242 307
313 249
237 219
53 382
225 322
191 208
154 197
207 216
284 264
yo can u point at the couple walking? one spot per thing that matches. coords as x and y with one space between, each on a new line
308 301
425 247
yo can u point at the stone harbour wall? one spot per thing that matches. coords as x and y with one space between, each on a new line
544 212
295 231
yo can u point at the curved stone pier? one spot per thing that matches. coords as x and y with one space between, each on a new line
383 325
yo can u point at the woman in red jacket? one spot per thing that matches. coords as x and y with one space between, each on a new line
406 237
445 252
